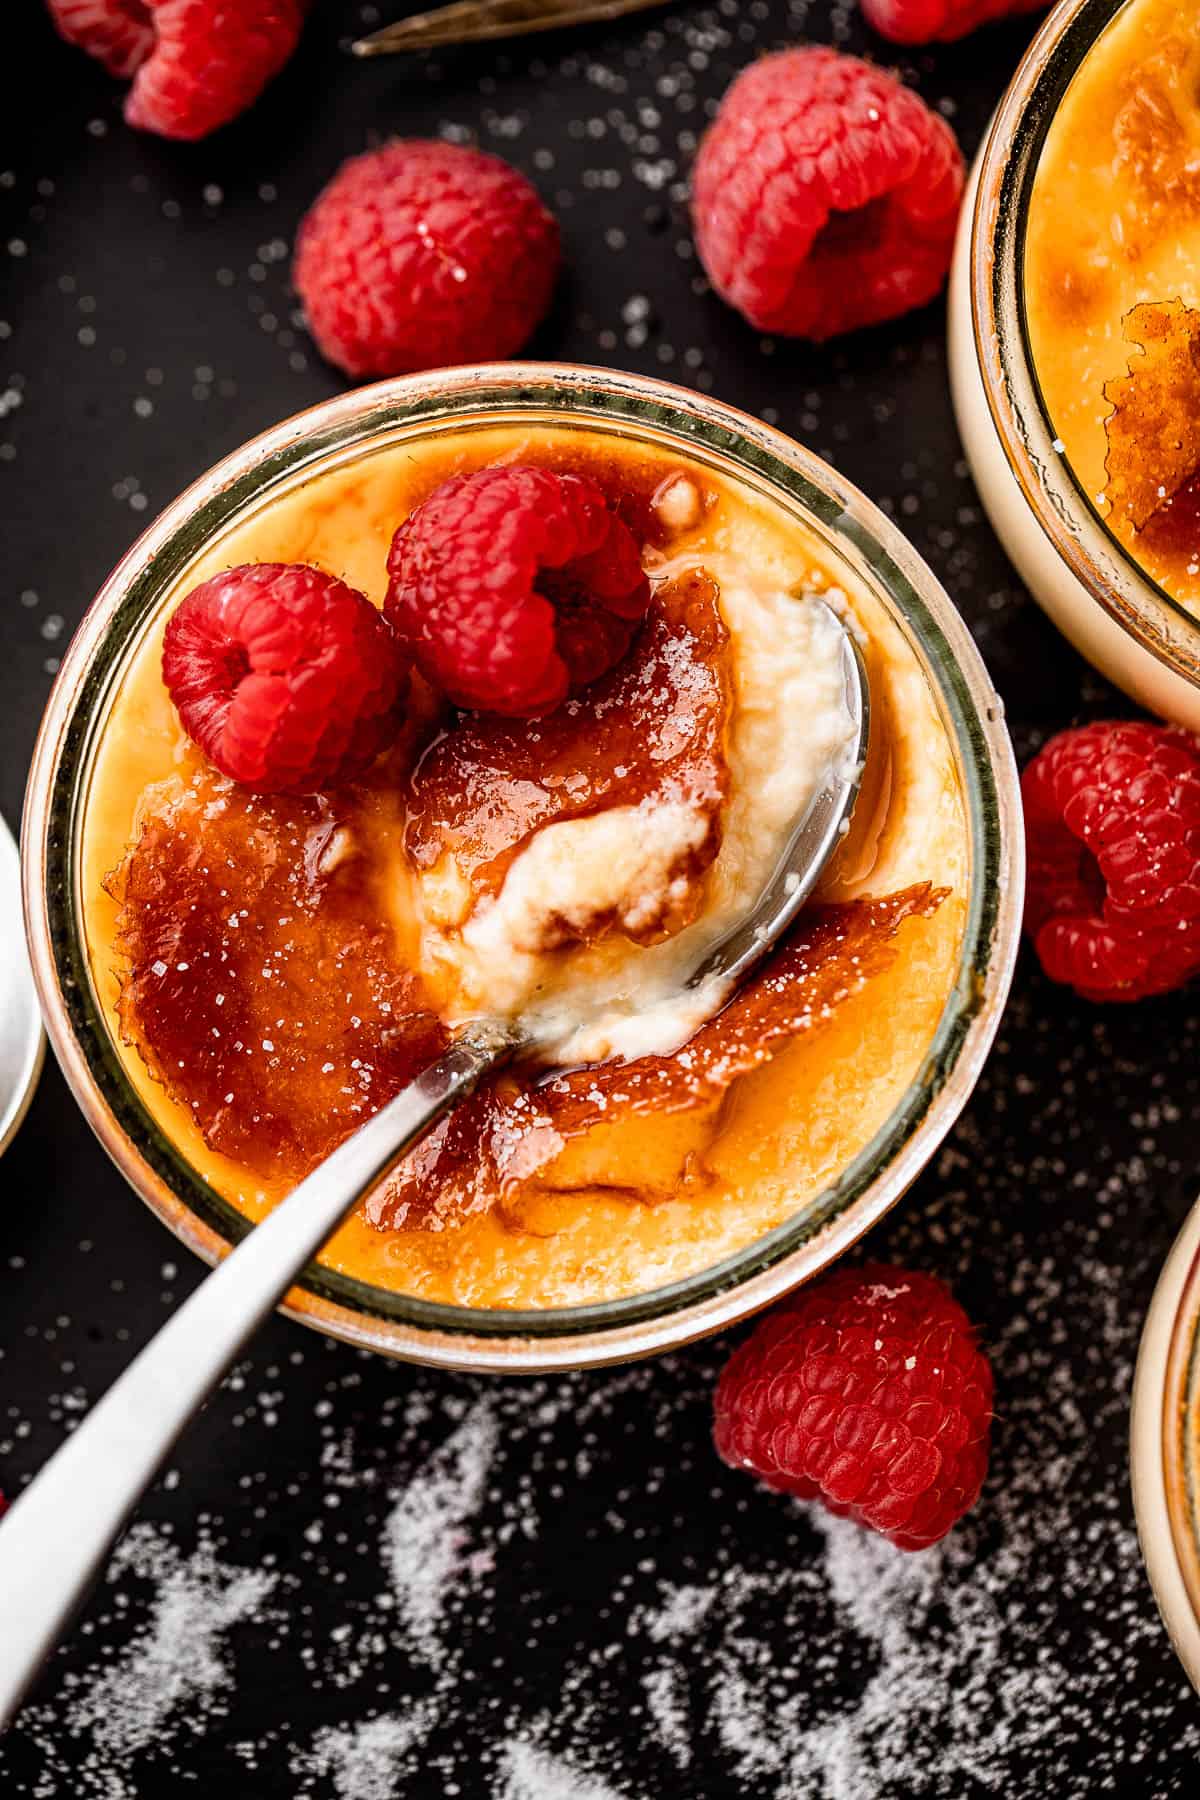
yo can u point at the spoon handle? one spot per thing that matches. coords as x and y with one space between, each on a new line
59 1533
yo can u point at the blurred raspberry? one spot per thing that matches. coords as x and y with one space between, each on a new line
195 64
287 679
938 21
118 33
867 1391
423 254
1112 822
825 195
514 585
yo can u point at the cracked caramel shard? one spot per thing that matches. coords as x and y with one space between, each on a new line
1153 430
514 1125
258 983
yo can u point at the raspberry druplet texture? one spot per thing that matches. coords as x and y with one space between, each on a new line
939 21
513 586
869 1392
194 64
287 679
1112 822
825 195
118 33
422 254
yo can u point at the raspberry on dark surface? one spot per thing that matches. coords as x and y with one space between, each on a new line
423 254
513 586
867 1391
118 33
1112 821
287 679
195 64
940 21
825 195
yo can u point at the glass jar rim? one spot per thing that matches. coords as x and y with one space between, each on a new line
632 1325
1066 513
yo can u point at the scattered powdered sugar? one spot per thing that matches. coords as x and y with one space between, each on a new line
425 1535
887 1597
888 1600
179 1660
177 1666
705 1634
680 1614
666 1697
940 1689
367 1761
528 1773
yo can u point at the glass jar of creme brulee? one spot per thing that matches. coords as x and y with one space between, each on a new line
232 980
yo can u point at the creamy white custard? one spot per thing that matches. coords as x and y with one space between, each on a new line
791 731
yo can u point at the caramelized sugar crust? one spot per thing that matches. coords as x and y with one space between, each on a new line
261 980
261 985
1171 535
264 985
1133 122
300 911
512 1127
1112 259
630 480
1153 133
654 727
1153 429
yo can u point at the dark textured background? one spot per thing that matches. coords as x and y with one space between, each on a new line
619 1615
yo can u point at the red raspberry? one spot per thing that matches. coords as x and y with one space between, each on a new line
422 254
514 585
117 33
286 678
195 64
938 21
1112 822
866 1391
825 195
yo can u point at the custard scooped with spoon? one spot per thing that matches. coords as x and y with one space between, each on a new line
275 966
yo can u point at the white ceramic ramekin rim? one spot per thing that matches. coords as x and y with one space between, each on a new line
1164 1443
1159 625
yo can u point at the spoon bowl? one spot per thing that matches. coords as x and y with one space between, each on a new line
814 837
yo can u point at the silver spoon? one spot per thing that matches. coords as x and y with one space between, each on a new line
22 1044
56 1537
